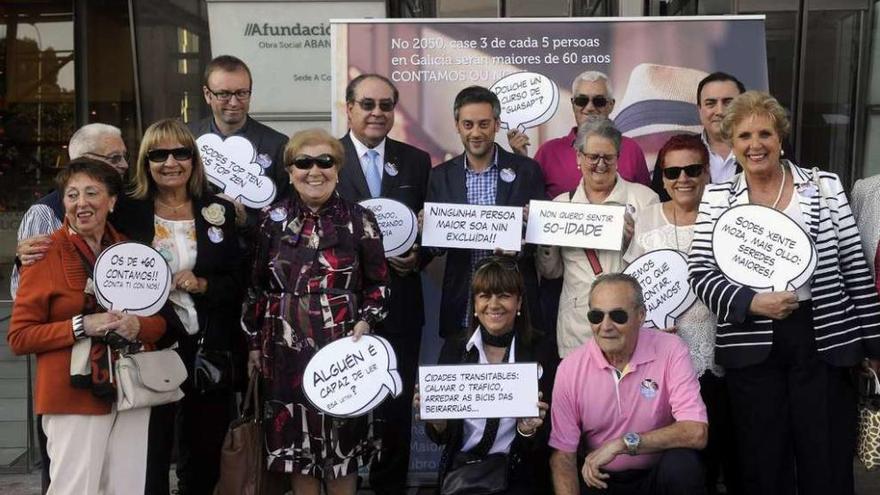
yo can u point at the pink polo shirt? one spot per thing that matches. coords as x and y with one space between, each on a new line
558 161
658 387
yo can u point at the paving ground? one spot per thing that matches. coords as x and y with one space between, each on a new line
29 484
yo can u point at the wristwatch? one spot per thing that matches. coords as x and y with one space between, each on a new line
632 440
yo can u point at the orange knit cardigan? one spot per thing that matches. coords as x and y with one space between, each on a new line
49 295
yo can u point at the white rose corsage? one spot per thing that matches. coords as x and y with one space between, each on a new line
215 214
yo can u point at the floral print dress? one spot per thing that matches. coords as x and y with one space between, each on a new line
315 275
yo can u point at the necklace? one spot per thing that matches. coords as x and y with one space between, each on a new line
172 208
781 186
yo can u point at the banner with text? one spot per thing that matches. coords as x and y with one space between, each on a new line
654 65
287 49
472 226
478 391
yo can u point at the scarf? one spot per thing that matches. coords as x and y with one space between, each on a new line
91 361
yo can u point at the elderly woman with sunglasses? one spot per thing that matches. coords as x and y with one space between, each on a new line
170 207
598 149
788 354
501 333
680 175
319 275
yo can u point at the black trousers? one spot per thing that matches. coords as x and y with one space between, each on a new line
388 471
678 472
720 455
795 416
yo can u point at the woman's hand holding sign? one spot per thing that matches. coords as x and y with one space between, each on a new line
529 426
774 305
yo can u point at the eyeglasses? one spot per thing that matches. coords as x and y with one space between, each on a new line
306 162
241 94
114 159
368 104
581 101
505 262
618 316
693 170
594 158
160 155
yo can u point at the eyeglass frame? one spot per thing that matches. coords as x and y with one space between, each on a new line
700 167
600 157
589 98
225 96
372 103
610 314
114 159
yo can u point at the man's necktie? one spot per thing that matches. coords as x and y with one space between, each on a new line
374 173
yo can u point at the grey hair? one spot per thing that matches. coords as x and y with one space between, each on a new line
621 278
85 139
602 127
591 76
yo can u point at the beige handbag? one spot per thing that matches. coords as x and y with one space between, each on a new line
869 425
147 379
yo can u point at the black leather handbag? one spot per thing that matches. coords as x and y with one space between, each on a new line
476 475
212 369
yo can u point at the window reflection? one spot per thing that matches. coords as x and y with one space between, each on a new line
36 100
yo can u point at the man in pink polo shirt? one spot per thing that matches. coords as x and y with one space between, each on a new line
591 98
632 394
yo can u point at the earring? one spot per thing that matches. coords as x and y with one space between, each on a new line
518 312
781 152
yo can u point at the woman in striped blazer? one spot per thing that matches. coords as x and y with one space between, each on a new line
789 354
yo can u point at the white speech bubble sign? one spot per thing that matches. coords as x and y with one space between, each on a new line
579 225
398 223
472 226
663 275
478 391
231 165
347 379
132 277
762 248
528 99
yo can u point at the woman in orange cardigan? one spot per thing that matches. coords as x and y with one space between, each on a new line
94 448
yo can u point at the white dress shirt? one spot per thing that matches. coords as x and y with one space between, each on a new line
362 150
473 428
721 168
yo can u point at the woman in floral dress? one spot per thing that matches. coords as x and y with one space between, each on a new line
319 275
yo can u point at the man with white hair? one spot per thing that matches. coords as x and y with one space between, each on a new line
592 98
99 141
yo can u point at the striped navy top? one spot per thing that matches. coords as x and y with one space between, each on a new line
846 309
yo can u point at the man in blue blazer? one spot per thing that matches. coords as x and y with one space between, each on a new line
378 166
485 174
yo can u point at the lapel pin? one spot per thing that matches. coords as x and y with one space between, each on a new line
391 169
215 234
508 175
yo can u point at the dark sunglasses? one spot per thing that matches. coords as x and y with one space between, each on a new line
693 170
368 104
160 155
618 316
584 100
306 162
505 262
114 159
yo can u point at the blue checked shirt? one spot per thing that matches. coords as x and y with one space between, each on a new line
482 189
